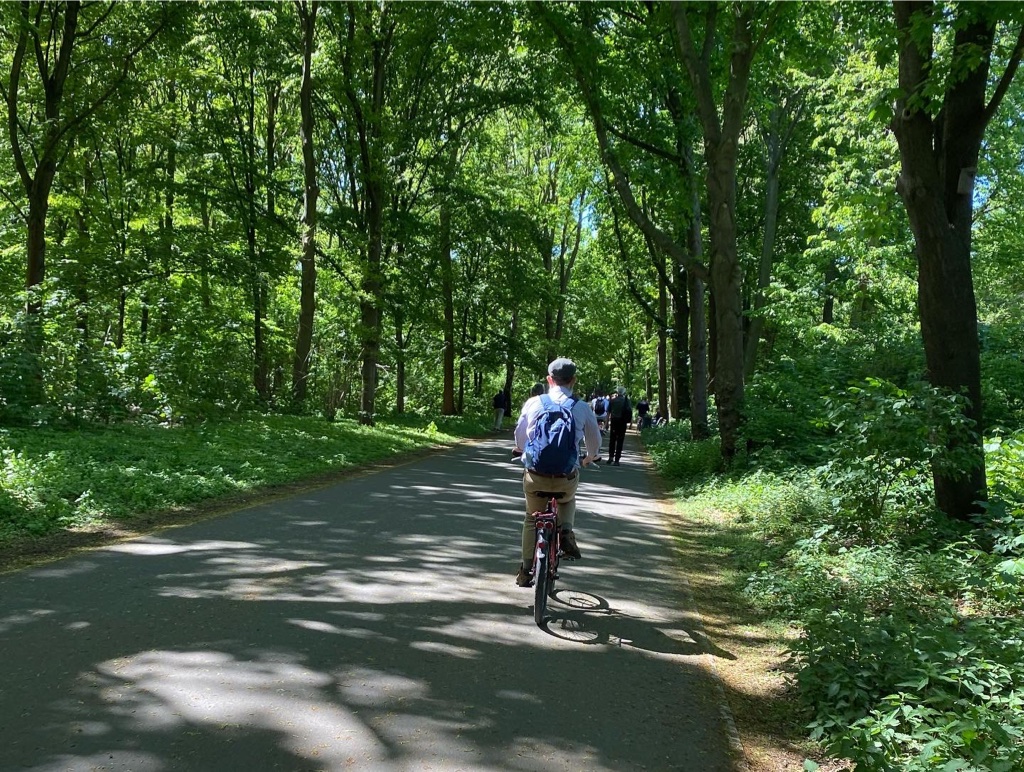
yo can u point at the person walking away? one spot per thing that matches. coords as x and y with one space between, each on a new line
548 434
500 405
620 413
538 388
643 407
599 404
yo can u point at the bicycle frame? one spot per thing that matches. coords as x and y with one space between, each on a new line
545 558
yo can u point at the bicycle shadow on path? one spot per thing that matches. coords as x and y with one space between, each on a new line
374 625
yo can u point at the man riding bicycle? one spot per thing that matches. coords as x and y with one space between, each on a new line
561 379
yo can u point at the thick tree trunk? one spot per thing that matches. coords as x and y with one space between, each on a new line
370 288
698 337
698 360
663 364
38 207
939 157
311 192
721 130
727 286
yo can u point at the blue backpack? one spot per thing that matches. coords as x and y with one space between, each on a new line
552 449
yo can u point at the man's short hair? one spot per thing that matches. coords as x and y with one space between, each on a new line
562 370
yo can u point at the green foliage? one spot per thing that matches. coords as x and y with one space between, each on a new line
680 459
52 478
777 414
911 647
887 440
1003 366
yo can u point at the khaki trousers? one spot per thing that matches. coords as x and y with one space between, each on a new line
534 483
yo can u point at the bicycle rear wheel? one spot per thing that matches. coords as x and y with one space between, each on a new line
541 588
553 548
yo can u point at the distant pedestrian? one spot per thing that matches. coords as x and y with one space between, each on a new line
643 409
620 413
538 388
500 404
599 404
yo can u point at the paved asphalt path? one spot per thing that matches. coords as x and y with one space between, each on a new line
373 624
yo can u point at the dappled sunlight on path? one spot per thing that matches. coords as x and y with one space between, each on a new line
370 625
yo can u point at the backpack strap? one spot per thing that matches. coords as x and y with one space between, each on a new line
550 405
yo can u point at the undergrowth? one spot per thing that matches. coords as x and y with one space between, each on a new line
56 478
910 653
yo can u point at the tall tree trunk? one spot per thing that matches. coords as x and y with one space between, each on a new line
698 339
166 222
663 364
371 289
400 345
53 72
721 130
727 284
939 157
36 274
448 299
122 302
307 10
698 360
680 348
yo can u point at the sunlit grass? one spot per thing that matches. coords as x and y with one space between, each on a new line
52 479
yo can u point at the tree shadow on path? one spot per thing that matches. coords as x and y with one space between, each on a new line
374 625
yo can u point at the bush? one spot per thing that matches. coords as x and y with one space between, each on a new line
887 442
680 459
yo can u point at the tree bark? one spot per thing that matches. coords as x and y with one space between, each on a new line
698 338
448 299
307 10
663 364
938 159
721 143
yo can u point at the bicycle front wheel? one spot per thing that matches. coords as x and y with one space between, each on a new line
541 582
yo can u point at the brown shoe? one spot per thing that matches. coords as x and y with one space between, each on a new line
569 548
524 578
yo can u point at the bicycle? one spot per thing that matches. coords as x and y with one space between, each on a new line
546 555
547 552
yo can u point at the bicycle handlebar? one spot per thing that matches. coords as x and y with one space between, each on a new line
516 454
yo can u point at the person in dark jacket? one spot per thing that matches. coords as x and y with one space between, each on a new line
500 405
643 407
620 413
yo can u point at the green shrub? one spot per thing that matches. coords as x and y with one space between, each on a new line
910 692
887 442
680 459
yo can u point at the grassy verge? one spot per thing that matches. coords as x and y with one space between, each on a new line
720 538
718 549
61 488
842 606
